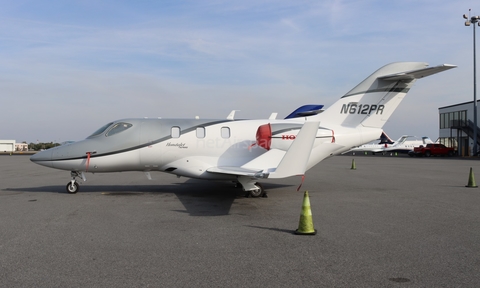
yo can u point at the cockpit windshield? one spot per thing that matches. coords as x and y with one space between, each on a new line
117 128
100 130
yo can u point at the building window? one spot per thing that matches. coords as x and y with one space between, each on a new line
453 119
463 115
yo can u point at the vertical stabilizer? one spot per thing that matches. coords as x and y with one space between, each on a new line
372 102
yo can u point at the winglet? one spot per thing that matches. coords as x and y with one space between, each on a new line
296 159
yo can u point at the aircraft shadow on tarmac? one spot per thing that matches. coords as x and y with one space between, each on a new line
272 229
200 198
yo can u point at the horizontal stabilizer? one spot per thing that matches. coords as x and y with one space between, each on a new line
418 73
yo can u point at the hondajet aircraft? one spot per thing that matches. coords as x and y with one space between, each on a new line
242 151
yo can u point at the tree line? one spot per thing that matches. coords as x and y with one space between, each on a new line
41 146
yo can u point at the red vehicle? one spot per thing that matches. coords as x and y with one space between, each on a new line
432 149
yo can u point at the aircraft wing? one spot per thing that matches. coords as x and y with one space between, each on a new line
239 171
416 74
276 163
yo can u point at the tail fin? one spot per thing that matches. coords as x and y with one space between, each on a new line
426 140
373 101
384 139
401 140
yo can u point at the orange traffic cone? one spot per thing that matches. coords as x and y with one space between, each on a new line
305 225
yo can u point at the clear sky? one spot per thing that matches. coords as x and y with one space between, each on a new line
69 67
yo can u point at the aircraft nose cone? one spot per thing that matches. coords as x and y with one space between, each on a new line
43 158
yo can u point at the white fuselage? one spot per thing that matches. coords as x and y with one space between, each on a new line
228 143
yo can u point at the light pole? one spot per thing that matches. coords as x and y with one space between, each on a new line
473 20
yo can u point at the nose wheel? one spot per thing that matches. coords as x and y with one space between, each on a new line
72 186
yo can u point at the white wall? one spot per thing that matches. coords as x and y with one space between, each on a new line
7 145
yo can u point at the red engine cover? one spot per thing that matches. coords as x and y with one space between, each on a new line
264 136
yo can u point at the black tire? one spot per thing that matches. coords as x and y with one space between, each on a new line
450 153
257 192
72 189
427 154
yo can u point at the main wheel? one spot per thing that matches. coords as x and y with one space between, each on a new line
427 153
257 192
72 188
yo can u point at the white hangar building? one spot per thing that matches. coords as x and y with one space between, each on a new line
7 145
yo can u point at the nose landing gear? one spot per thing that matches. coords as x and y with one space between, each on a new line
72 186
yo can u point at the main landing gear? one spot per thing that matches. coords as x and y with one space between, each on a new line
72 186
257 191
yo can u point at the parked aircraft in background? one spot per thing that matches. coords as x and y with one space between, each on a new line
407 145
243 151
402 145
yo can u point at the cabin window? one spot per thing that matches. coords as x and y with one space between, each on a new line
200 132
175 132
225 132
100 130
118 128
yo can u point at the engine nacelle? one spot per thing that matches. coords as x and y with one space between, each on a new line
281 136
264 136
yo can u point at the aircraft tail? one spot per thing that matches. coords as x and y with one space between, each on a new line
401 140
385 139
373 101
426 140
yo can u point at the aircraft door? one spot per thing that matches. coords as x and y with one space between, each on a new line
150 154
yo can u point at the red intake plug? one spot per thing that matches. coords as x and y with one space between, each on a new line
264 136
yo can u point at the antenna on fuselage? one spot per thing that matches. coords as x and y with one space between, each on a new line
231 116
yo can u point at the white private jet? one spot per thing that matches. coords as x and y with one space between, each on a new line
243 151
402 145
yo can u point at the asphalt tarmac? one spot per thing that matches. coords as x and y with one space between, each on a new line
391 222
